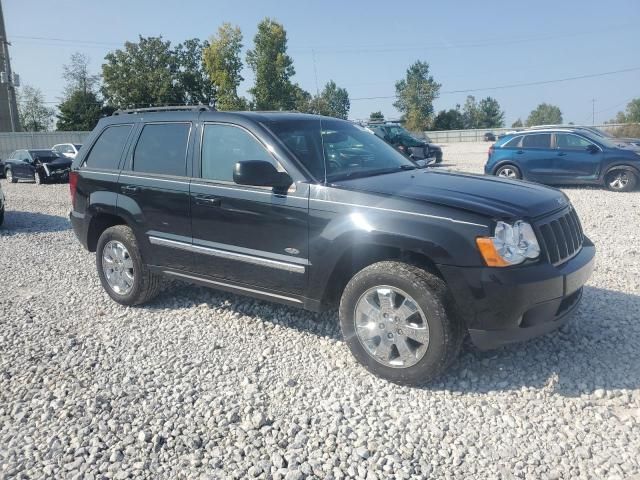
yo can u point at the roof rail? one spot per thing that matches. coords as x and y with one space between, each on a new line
188 108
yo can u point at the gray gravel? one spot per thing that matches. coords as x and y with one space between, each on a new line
201 384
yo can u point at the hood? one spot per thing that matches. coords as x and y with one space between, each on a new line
485 195
60 162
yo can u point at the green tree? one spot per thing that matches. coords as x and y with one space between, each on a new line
272 68
489 114
192 83
141 74
545 114
223 64
376 116
517 124
415 95
35 116
302 100
333 101
451 119
81 108
80 111
470 112
631 113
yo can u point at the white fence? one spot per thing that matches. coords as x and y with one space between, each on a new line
453 136
17 141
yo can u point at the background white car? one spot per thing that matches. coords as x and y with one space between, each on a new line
69 150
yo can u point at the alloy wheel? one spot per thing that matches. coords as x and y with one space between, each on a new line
9 175
391 327
619 180
508 172
117 266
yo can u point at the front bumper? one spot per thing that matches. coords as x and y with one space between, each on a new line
60 175
503 306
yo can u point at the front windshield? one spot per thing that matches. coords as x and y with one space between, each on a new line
44 156
336 149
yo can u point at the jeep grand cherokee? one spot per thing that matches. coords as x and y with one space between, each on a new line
318 213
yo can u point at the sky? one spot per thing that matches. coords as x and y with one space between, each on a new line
366 46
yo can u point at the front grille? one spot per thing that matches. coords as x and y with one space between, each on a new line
561 236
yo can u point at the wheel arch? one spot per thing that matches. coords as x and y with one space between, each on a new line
98 224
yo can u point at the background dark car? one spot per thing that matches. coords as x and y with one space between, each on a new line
565 156
489 137
405 142
41 166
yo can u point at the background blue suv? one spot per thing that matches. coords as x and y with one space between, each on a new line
564 156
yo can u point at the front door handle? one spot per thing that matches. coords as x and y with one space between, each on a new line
561 154
130 189
520 152
208 200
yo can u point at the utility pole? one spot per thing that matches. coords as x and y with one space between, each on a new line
9 120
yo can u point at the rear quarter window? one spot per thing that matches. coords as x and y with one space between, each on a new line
107 150
513 143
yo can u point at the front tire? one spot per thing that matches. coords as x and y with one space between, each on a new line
400 323
621 181
9 176
122 272
509 171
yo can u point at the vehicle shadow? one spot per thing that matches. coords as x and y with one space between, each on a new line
598 349
16 222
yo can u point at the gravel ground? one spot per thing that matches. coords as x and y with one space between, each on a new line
201 384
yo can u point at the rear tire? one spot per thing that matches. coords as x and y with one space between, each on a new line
621 180
382 333
509 171
139 284
1 216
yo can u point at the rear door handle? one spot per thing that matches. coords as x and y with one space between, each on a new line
208 200
561 154
130 189
520 152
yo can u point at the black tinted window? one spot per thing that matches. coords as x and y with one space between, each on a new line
514 142
539 140
571 142
162 148
108 148
223 146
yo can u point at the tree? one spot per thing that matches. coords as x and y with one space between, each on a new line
631 113
35 116
376 116
272 68
545 114
415 95
192 81
333 101
489 114
223 65
76 74
470 112
517 124
302 100
451 119
150 72
81 107
80 111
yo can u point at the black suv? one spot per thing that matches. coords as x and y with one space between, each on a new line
319 213
405 142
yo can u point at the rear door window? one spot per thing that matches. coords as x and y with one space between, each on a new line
108 148
538 140
162 148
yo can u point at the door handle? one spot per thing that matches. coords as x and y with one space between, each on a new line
208 201
130 189
520 152
561 154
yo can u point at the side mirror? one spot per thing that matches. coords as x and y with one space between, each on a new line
259 173
591 148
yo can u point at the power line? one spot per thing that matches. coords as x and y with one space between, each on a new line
514 85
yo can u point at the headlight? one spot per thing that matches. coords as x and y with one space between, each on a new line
510 245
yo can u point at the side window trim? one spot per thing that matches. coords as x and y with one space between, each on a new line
129 161
198 158
97 137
